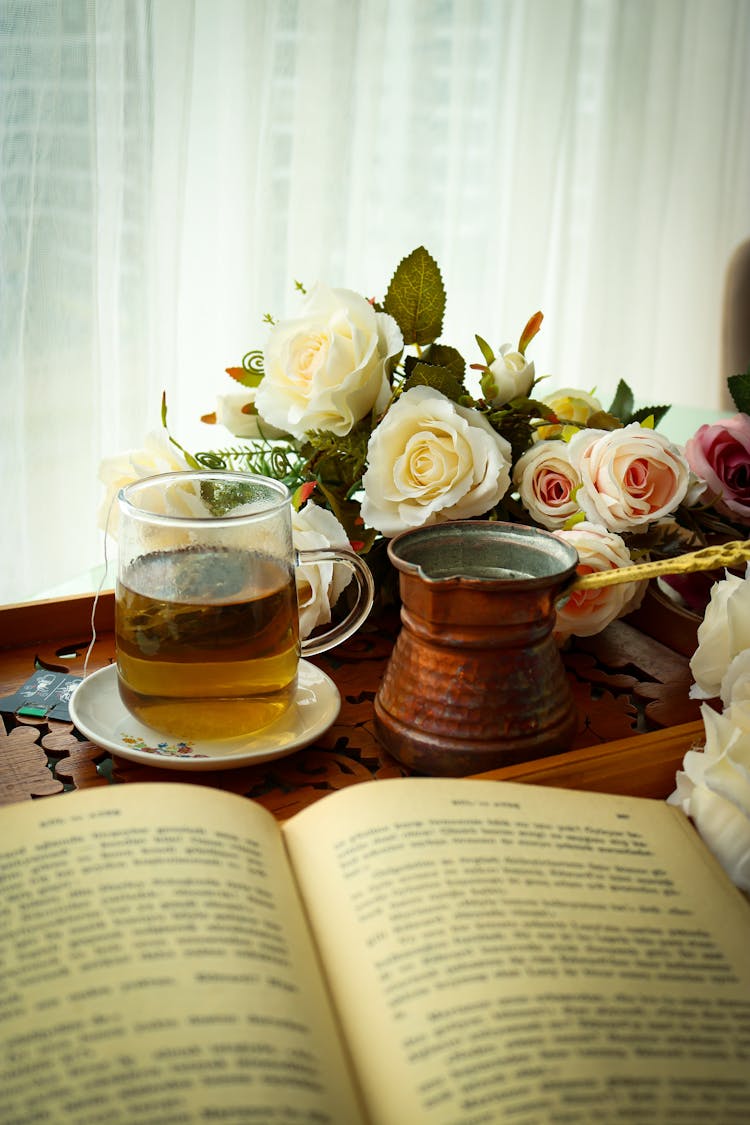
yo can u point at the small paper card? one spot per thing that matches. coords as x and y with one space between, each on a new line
45 695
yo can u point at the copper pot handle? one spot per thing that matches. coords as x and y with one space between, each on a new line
708 558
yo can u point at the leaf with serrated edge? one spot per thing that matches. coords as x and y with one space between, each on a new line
443 380
604 420
739 389
654 412
416 298
443 355
622 403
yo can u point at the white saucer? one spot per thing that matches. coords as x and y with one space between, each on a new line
98 712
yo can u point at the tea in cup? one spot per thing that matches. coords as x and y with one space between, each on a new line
206 620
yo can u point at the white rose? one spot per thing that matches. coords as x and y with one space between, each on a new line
738 713
735 684
319 585
431 460
722 634
713 789
586 612
629 477
509 376
229 413
328 368
547 483
158 455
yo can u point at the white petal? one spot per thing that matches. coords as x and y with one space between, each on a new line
726 832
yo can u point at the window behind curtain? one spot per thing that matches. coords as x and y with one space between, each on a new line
169 168
75 166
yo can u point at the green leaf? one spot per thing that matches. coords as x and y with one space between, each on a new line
441 378
410 362
515 428
541 410
604 420
443 355
488 385
334 461
656 412
622 403
416 298
739 389
486 350
622 408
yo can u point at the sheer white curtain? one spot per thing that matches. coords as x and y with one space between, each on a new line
169 167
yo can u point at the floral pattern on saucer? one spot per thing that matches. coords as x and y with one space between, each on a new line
166 749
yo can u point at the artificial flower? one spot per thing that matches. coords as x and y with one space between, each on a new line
719 454
735 683
328 368
232 412
431 460
738 712
713 789
157 455
547 483
585 612
630 477
376 412
722 634
509 376
571 406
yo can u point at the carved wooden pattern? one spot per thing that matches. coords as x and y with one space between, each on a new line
624 682
23 763
76 759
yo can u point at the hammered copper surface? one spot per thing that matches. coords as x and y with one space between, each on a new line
475 680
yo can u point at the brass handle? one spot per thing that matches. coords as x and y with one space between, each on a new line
708 558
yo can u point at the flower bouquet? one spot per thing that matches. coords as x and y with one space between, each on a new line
373 422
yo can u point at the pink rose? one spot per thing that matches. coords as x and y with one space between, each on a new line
629 477
546 482
720 455
586 612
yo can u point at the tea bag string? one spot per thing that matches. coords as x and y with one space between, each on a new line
103 579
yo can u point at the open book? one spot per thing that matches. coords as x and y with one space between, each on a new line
405 951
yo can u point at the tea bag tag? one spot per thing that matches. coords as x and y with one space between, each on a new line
45 695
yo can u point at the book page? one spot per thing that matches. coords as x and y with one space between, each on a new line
156 966
512 952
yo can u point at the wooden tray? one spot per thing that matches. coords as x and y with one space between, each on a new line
624 682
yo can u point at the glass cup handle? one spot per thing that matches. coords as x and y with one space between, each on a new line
360 609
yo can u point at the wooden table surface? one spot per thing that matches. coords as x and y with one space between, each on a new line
631 690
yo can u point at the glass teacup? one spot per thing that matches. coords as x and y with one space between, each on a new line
206 620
